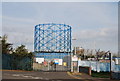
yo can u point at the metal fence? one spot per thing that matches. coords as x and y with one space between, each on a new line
14 62
52 62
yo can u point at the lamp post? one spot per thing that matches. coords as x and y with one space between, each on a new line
110 57
71 58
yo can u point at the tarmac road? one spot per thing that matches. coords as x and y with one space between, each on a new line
40 76
35 75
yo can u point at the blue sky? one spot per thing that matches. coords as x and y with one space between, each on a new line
94 24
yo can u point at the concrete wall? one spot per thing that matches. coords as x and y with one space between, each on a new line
97 66
84 69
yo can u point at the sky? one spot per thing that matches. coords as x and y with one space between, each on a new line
94 24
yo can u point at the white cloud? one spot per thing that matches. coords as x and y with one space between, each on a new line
17 38
104 38
102 32
90 22
14 19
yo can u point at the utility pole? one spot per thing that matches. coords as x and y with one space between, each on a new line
71 59
110 57
75 50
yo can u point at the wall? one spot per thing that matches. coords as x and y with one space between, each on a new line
12 62
85 69
97 66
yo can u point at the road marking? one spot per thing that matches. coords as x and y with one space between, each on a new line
75 76
25 76
36 77
46 72
15 75
40 78
32 77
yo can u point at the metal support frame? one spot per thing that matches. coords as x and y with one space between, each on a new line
52 38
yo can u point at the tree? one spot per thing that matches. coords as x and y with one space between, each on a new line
80 52
102 54
22 51
6 47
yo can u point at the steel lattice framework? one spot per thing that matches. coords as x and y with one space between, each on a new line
52 38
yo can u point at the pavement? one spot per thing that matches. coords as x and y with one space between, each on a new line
86 77
13 75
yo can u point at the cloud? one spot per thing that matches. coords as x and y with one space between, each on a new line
19 33
14 19
103 33
17 38
103 38
90 22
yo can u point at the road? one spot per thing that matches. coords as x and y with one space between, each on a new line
40 76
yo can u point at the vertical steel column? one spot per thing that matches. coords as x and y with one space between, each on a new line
35 39
71 44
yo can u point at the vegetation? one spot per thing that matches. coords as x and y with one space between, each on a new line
22 51
101 74
87 53
18 58
7 48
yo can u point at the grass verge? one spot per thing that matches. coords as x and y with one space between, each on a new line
101 74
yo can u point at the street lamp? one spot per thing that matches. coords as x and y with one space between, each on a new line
71 58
